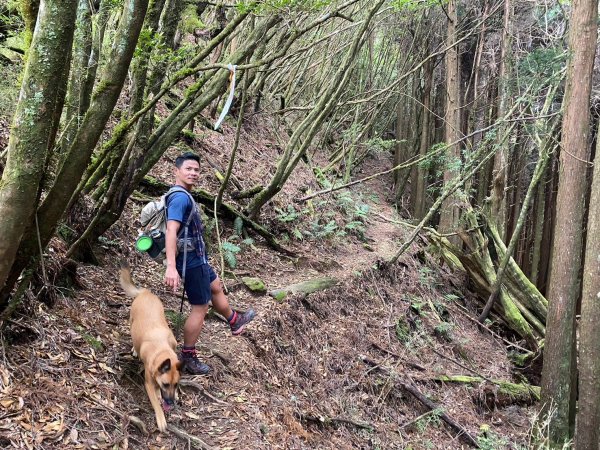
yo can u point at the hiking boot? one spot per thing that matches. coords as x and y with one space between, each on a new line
192 365
240 321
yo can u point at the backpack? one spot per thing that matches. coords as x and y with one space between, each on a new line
153 219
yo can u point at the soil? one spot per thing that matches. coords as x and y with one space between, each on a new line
318 371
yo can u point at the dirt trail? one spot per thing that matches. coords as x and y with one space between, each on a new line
294 380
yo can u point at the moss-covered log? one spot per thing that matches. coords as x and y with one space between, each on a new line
505 392
306 287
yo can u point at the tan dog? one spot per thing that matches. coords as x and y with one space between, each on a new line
154 343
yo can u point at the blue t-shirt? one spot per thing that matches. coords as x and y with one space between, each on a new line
179 207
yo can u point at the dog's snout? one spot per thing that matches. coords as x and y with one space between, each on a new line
168 400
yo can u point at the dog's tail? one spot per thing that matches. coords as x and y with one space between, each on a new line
126 283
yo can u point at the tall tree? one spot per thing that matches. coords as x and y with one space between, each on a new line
32 124
450 211
558 384
499 173
588 412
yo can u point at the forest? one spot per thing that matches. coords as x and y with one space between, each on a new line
405 190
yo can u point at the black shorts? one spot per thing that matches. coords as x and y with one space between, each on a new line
197 284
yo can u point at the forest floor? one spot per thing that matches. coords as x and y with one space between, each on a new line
323 371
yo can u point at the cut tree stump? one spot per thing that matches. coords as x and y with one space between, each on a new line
306 287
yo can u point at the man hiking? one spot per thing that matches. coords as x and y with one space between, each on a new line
186 258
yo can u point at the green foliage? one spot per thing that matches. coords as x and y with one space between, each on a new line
270 6
238 225
288 215
378 144
402 330
190 20
430 419
175 318
443 330
488 440
229 253
93 342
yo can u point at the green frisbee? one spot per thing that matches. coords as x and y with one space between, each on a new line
143 243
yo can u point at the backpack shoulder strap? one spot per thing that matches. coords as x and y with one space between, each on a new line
176 188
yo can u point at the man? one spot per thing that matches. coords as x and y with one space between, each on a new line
201 282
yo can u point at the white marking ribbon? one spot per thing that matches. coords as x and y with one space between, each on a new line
227 105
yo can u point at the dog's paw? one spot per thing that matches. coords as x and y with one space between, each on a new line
161 423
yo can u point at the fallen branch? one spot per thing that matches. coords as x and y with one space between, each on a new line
192 440
306 287
412 389
139 423
324 420
188 383
400 357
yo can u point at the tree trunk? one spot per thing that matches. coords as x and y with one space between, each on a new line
305 132
33 120
558 383
499 172
588 413
76 104
420 178
104 99
450 212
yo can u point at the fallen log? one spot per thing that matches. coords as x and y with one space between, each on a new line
504 392
306 287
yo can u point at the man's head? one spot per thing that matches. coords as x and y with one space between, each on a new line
187 170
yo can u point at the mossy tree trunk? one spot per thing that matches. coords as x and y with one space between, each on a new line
558 375
104 99
32 124
134 166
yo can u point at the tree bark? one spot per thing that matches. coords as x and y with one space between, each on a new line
420 179
558 383
588 413
450 212
501 160
33 120
104 99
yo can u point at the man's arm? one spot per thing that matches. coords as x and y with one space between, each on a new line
171 276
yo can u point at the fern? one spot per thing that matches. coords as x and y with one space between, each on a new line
238 224
229 252
229 247
230 259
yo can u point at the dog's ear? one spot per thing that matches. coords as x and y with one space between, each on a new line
165 366
179 366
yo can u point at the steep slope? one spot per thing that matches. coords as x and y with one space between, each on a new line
327 370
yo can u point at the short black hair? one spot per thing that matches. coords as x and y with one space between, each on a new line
186 157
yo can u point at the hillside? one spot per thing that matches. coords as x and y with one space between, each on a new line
330 370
